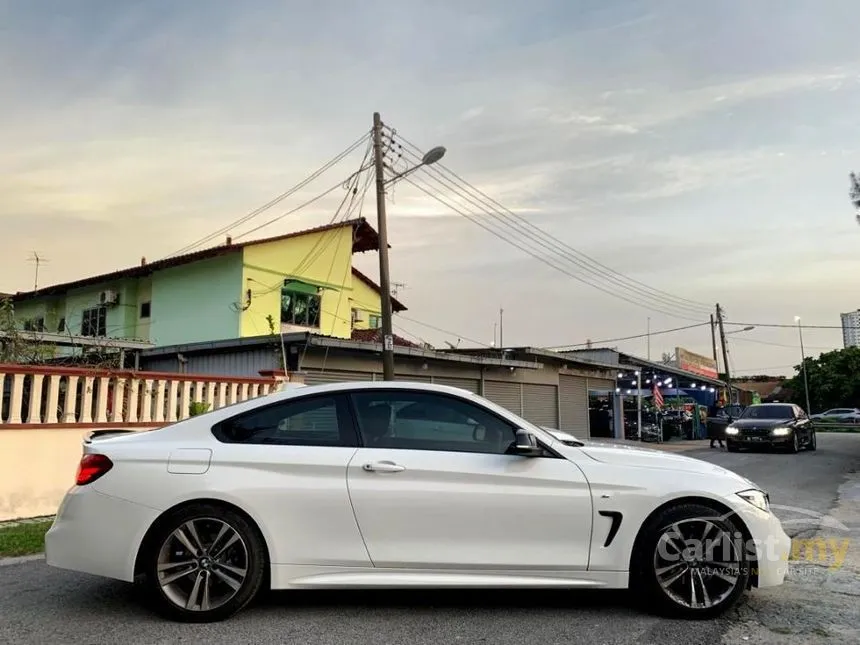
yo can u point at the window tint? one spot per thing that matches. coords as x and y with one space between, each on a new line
769 411
426 421
316 421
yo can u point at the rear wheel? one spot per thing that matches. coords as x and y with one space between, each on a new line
689 562
205 564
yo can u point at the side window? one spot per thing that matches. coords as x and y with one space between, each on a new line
427 421
315 421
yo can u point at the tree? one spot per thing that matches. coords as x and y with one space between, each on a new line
834 381
15 346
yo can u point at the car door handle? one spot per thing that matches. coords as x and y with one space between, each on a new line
383 467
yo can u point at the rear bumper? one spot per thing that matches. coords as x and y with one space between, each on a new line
97 534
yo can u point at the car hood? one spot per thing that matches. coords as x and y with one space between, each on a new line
760 423
647 458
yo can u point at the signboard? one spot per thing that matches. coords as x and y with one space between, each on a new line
695 363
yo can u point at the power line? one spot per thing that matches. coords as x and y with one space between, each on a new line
764 342
547 242
332 162
585 262
795 326
443 331
615 340
472 218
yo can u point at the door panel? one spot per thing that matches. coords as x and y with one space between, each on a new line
465 510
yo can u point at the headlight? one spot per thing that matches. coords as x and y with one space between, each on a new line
780 432
732 431
757 498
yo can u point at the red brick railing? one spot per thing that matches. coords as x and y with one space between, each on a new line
57 397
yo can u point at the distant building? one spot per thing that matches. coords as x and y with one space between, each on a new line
851 329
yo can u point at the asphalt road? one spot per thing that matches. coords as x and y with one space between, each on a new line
42 605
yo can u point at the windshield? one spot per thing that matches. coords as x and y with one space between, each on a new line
768 412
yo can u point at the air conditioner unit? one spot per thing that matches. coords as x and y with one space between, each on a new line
108 297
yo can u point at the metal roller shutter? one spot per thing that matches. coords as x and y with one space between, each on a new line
601 385
468 384
540 404
573 392
318 378
414 378
507 395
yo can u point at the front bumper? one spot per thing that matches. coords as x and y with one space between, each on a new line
771 546
765 441
97 534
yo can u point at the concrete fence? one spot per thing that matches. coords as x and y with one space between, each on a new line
45 412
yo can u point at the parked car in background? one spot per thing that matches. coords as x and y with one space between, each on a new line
393 484
838 415
774 425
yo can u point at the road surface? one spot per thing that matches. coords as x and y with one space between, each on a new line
42 605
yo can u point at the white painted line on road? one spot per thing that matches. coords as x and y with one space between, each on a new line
5 562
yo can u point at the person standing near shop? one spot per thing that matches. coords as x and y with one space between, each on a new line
715 432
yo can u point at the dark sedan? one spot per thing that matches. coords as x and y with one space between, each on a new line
772 425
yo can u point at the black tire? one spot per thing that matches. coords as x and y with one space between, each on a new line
813 443
731 446
794 446
644 583
252 558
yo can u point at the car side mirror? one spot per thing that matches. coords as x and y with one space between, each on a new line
527 444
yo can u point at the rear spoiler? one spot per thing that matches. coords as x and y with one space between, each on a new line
101 434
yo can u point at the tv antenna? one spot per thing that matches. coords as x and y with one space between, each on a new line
38 260
397 286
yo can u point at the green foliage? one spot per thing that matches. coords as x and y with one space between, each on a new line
198 407
15 345
834 381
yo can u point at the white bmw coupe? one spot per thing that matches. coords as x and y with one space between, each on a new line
399 484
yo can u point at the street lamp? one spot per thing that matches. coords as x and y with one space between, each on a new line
738 331
803 364
431 157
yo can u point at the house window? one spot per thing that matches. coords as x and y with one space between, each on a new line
374 321
300 304
34 324
145 308
61 326
94 322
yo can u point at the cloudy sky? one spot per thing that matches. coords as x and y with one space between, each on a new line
701 149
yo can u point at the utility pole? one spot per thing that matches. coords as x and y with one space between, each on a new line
384 274
725 352
714 342
501 328
649 337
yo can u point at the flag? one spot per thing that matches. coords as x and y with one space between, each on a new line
658 397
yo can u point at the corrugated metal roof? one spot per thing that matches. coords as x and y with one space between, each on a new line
365 239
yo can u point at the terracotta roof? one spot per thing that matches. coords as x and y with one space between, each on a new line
396 305
364 235
375 336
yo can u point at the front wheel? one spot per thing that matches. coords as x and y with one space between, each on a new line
813 444
794 446
731 446
689 562
205 564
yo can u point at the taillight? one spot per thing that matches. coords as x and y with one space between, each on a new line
91 468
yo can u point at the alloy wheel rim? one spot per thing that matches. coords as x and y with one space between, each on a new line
697 563
202 564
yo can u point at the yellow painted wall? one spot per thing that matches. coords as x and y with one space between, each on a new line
323 259
367 301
